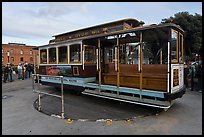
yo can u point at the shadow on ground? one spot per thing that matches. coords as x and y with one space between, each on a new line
79 106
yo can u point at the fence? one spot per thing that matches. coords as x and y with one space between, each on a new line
38 77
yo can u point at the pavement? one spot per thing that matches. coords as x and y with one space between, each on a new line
86 115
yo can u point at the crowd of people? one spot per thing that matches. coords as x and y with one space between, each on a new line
8 72
193 76
24 71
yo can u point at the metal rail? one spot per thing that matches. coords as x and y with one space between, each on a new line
38 77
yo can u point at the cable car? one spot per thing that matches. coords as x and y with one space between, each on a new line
121 60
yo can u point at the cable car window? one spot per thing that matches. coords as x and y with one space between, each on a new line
129 53
75 53
52 55
43 56
109 55
122 54
155 46
89 54
62 55
174 43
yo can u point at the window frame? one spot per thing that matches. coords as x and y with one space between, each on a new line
108 58
177 42
11 59
21 52
78 62
94 56
11 51
21 58
30 59
48 57
67 58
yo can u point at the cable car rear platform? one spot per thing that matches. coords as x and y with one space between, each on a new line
150 98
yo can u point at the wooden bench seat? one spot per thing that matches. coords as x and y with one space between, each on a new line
144 75
154 76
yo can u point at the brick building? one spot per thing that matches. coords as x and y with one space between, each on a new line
15 53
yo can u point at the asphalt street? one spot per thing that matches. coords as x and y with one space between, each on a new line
94 116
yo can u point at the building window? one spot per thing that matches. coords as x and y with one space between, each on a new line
31 59
75 53
11 51
52 55
62 54
89 55
21 52
43 56
31 52
12 59
21 59
2 59
2 51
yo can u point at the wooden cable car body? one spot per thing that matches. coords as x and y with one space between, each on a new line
120 60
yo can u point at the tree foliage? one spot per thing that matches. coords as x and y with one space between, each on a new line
192 26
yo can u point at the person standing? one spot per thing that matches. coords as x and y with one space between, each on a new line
186 72
29 69
10 73
23 71
199 76
6 71
32 68
192 74
26 70
19 71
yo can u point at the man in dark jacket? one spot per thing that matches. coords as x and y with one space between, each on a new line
29 69
6 71
199 76
10 73
186 72
192 74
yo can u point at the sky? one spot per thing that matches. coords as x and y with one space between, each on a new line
34 23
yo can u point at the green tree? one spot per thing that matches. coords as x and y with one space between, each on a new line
192 26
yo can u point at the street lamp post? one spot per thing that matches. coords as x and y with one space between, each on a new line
8 54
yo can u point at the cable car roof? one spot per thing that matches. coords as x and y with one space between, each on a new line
134 29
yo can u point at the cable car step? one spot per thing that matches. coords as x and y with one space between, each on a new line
126 98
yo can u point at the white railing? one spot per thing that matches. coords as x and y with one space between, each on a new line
38 77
